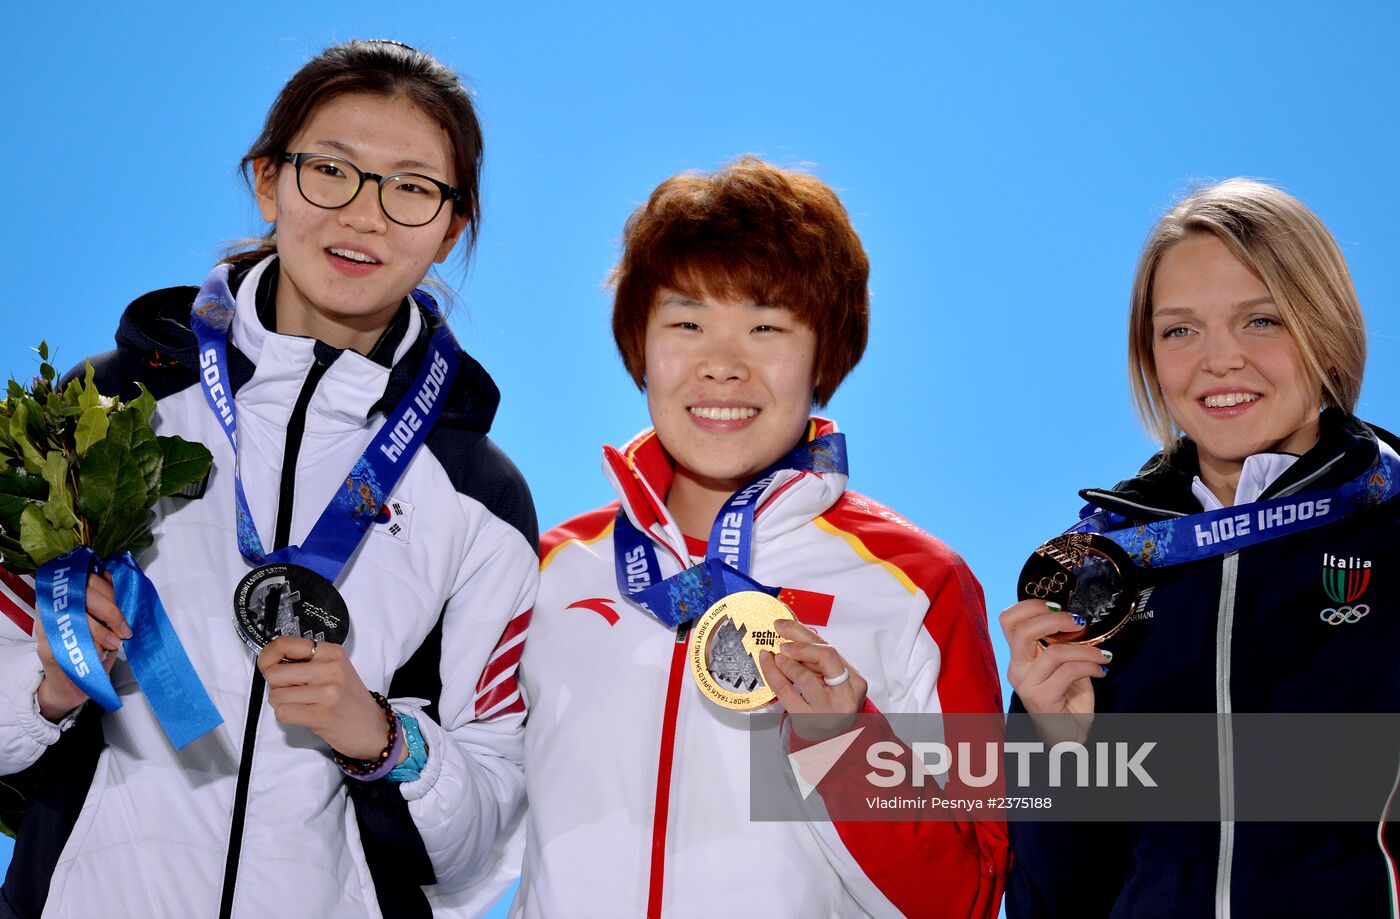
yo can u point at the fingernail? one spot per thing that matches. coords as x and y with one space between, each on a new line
1078 619
126 631
111 642
1053 606
1107 655
1104 668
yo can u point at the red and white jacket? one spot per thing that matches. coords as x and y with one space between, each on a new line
638 786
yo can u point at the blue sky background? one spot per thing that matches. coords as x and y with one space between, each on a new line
1002 164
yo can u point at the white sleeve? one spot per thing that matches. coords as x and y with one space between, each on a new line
473 781
24 733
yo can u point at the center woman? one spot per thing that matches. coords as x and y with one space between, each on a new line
740 302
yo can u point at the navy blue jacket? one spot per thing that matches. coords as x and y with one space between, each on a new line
1240 632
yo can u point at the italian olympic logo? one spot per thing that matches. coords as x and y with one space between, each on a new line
1344 614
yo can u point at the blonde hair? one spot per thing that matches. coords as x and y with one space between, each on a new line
1287 247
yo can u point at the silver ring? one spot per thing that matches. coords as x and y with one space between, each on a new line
314 643
840 678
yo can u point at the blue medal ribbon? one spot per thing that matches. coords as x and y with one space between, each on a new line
341 526
1178 540
158 661
682 597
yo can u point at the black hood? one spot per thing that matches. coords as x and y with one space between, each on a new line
155 329
472 402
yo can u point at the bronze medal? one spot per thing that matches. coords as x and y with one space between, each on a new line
1087 574
724 646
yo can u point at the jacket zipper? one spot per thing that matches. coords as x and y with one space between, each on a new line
1224 629
1229 574
1225 619
296 427
1303 483
665 761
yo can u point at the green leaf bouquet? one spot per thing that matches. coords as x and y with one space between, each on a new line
78 468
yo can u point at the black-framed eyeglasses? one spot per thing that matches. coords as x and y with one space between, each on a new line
407 198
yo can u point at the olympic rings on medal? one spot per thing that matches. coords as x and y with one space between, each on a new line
1344 614
1047 586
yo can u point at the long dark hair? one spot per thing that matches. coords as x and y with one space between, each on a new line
382 68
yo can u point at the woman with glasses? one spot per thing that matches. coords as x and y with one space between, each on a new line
1247 348
377 551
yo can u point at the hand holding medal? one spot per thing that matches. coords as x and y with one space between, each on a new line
287 608
727 643
1076 590
810 677
1052 677
313 684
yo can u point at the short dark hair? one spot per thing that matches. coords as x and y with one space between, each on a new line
382 68
774 236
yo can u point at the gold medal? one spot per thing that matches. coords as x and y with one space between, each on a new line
724 648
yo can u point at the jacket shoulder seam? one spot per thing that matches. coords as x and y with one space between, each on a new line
855 518
585 529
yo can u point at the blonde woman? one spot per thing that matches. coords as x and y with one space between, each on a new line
1247 348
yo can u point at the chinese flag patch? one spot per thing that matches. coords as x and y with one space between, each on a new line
809 607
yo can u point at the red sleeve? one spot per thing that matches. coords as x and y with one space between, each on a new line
584 528
944 868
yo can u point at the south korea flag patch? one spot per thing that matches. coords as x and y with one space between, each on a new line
395 519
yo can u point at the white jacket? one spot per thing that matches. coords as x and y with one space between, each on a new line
456 565
638 786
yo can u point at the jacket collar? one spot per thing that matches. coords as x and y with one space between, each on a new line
393 341
1346 447
156 328
352 384
641 473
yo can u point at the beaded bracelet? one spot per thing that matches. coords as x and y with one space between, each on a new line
367 770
